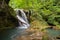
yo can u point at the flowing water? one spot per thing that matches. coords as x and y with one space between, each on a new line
9 34
22 18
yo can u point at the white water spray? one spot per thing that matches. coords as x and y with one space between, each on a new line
23 22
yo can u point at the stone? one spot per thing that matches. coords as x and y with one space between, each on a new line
7 16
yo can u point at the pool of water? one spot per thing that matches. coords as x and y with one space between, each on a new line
53 33
9 34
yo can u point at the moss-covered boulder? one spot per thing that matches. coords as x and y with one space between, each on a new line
7 16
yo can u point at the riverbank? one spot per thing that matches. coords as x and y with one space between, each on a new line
38 31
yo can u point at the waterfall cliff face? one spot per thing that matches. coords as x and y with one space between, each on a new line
23 22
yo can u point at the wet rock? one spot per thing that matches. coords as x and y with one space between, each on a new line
33 36
7 16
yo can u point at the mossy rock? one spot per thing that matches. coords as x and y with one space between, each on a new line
7 16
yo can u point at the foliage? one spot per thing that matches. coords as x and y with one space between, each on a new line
47 10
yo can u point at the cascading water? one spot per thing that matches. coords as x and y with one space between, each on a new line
10 34
23 22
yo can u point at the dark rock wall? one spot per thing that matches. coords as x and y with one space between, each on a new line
7 16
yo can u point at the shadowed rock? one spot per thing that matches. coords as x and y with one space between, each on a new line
7 15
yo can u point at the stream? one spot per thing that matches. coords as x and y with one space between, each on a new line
10 34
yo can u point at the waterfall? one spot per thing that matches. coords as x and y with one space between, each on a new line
22 19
